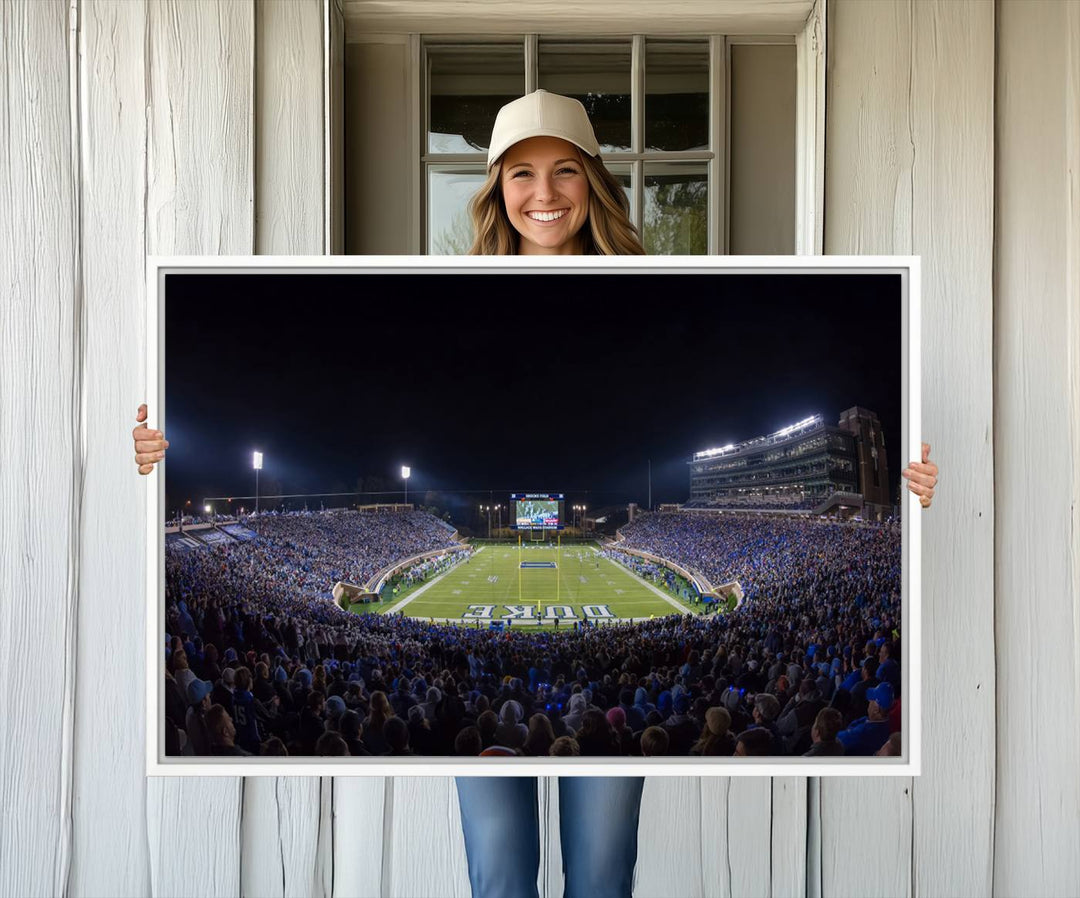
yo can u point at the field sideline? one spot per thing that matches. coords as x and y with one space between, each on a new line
582 585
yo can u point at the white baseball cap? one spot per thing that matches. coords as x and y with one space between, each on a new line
541 114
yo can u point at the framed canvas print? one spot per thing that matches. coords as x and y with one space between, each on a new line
509 516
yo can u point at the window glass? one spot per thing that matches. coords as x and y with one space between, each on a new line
467 85
624 176
676 208
676 95
597 74
449 190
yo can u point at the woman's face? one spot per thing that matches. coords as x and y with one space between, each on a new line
546 195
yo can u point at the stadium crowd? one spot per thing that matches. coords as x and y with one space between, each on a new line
768 501
260 663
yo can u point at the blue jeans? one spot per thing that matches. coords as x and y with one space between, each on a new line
598 822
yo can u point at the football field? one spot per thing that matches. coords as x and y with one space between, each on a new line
537 585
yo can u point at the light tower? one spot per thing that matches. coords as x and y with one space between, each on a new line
256 463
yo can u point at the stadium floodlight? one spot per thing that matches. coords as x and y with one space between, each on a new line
709 453
256 462
405 472
791 428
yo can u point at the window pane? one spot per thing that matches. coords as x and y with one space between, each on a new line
676 209
597 74
762 197
676 95
623 174
449 191
467 85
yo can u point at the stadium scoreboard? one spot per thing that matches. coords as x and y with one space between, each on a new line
537 511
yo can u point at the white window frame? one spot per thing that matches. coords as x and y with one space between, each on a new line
739 23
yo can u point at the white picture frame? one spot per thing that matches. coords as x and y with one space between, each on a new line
908 764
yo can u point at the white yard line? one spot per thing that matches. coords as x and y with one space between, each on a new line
427 585
646 583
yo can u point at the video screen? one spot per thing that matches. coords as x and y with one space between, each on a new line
537 511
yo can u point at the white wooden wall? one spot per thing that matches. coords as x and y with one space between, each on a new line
200 127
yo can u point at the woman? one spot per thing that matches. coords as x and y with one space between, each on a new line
541 737
374 738
547 193
716 739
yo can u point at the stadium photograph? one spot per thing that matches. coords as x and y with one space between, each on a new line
545 516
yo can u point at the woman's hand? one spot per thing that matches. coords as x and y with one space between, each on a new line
150 445
922 477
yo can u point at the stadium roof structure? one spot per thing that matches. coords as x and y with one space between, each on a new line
784 433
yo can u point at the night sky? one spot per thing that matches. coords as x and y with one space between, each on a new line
509 382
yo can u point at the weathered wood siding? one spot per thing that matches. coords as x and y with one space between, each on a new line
953 132
41 446
909 151
1037 448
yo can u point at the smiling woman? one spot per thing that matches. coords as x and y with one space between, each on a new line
547 190
546 195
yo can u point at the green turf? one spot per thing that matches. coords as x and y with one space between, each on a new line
494 577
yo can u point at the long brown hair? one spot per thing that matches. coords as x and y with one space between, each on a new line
608 230
380 710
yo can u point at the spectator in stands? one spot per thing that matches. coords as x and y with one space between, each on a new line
782 690
798 717
654 742
682 731
624 736
578 705
468 743
867 734
402 699
222 732
352 731
641 701
175 701
263 688
422 740
331 745
434 698
565 747
716 739
195 725
888 669
701 705
312 725
488 723
753 743
595 738
333 707
373 737
766 709
823 733
891 748
247 728
210 669
181 672
223 690
857 706
511 732
274 747
541 737
397 737
634 713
